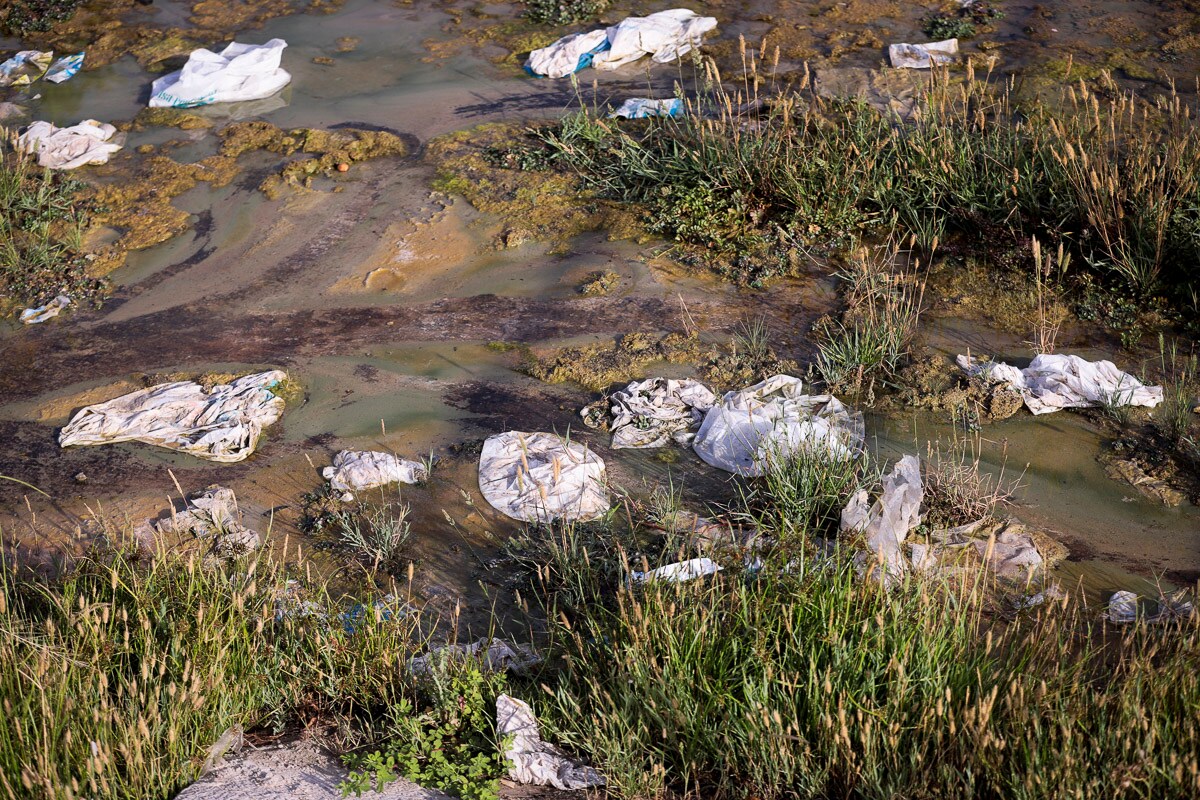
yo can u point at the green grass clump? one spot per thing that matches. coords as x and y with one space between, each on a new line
752 183
119 675
796 678
42 220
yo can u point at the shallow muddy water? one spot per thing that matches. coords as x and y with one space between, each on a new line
380 298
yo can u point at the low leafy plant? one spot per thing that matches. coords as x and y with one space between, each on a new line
449 744
562 12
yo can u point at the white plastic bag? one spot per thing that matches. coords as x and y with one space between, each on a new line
533 761
885 524
89 142
239 72
664 36
32 316
1054 382
540 477
923 56
656 411
568 55
356 470
642 107
775 419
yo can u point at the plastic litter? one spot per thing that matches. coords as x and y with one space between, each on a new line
886 523
356 470
212 516
493 655
678 572
239 72
655 411
89 142
25 67
1054 382
32 316
1125 607
65 68
219 424
923 56
642 107
540 477
568 55
664 36
533 761
774 419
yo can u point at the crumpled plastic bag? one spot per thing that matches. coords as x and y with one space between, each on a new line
25 67
239 72
212 516
664 36
540 477
356 470
775 419
89 142
886 523
642 107
1054 382
923 56
32 316
568 55
220 424
1125 607
493 655
656 411
533 761
678 572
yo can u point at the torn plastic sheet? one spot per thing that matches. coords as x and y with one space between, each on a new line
664 36
678 572
540 477
923 56
656 411
568 55
212 516
89 142
1054 382
774 419
25 67
65 68
356 470
642 107
221 424
493 655
886 523
32 316
533 761
239 72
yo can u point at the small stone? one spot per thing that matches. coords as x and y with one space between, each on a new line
81 477
343 167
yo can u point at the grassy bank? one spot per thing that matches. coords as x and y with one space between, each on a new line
751 181
42 220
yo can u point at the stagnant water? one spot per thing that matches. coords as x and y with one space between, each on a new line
381 298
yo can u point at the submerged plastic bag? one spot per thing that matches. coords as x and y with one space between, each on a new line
355 470
25 67
89 142
533 761
493 655
219 424
568 55
656 411
540 477
239 72
65 68
1054 382
923 56
32 316
774 419
664 36
885 524
641 107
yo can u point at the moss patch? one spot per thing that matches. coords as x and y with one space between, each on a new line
599 366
